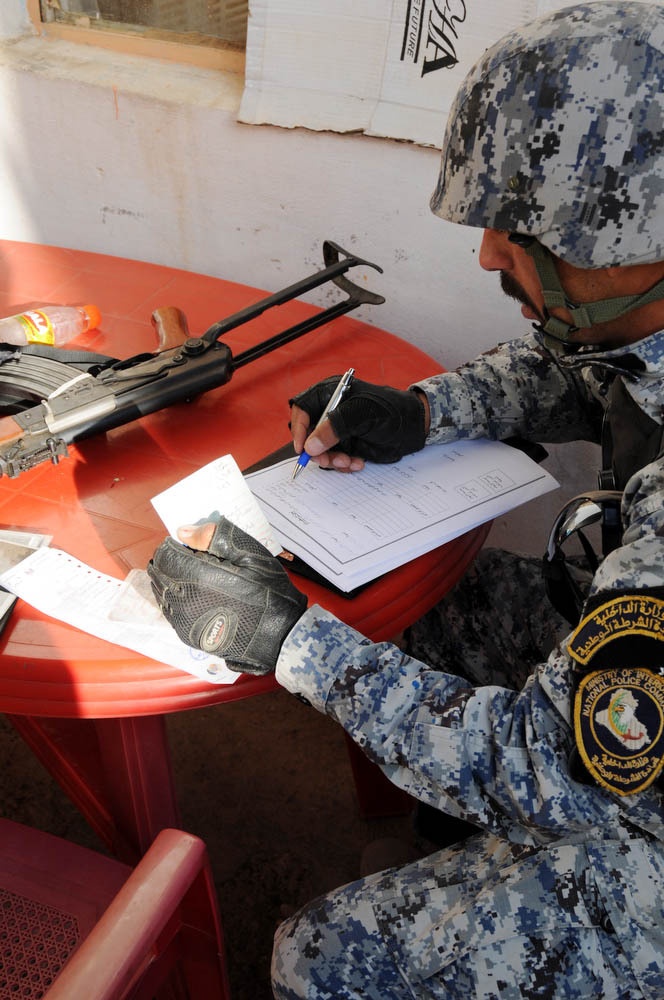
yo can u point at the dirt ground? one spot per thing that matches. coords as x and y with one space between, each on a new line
266 783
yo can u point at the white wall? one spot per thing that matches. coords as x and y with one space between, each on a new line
144 159
14 19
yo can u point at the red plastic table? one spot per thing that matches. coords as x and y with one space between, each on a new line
93 712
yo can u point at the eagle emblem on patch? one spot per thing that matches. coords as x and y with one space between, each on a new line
618 705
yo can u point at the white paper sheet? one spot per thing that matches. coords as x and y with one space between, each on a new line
15 546
353 528
216 488
58 585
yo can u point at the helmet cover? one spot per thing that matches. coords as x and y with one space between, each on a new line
558 133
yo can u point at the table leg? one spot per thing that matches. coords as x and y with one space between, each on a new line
117 772
136 760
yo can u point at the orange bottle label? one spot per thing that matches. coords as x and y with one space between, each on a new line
38 327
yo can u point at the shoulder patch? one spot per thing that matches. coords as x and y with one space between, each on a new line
618 707
619 727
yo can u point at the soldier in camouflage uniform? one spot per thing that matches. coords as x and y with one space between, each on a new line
547 736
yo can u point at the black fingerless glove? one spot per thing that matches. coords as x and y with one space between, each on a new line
374 422
235 600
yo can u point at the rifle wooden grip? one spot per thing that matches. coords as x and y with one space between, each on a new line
171 326
10 430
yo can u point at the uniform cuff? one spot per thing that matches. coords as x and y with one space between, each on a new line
314 654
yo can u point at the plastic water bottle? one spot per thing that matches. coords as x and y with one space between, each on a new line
53 325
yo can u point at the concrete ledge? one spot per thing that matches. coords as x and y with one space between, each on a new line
157 79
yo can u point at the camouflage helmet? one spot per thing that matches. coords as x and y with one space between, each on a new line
558 133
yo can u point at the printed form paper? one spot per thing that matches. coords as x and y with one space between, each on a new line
120 611
353 528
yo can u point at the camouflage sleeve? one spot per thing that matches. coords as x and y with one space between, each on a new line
497 757
517 389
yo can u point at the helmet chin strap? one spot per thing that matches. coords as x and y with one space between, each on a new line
558 332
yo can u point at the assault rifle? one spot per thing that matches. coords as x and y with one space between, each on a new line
104 393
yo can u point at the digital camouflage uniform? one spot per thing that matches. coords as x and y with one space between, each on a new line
562 894
556 134
548 739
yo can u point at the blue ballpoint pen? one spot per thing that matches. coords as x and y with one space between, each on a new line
335 399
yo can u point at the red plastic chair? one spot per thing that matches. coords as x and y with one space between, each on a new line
75 925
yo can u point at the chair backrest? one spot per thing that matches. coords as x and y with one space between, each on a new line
76 925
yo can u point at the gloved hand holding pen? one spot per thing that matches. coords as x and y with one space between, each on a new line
372 422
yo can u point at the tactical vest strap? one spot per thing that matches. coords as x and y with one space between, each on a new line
630 438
